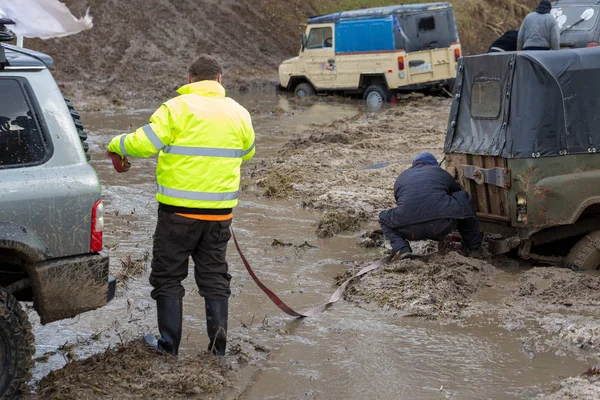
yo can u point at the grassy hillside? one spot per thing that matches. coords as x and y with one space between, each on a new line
479 21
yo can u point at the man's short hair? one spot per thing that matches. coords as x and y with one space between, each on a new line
205 68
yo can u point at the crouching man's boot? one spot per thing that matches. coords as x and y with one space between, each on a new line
216 325
170 314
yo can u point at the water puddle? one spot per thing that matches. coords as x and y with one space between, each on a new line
349 352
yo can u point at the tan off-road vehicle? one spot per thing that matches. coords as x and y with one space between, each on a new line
523 139
376 52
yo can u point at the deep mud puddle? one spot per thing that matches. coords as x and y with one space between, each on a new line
352 351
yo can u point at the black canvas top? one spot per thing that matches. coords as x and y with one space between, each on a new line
527 104
378 12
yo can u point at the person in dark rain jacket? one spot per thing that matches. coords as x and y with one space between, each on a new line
430 205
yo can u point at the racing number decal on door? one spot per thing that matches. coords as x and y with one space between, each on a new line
329 65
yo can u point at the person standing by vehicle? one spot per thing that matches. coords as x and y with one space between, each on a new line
202 137
539 30
430 205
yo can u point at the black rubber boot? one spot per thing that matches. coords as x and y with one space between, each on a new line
216 325
170 314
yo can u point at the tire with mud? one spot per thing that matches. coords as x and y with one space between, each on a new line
585 255
376 96
304 90
16 346
79 125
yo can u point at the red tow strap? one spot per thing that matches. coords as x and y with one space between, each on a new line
312 311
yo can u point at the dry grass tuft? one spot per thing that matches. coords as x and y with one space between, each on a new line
135 371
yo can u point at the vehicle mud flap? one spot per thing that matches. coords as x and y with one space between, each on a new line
65 288
315 310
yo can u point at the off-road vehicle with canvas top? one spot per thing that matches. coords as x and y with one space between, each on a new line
51 213
376 52
524 140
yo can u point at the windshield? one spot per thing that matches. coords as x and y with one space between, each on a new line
570 15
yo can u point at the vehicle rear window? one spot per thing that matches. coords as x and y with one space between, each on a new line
427 24
570 17
21 138
486 99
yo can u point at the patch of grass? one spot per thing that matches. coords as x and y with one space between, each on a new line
278 185
338 221
135 371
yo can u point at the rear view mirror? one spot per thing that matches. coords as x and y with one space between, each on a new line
587 14
304 40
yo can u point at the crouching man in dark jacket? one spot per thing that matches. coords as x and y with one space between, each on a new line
430 205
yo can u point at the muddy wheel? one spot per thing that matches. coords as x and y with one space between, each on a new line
304 90
585 255
376 96
16 346
79 125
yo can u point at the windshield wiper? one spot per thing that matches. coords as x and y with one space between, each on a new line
571 26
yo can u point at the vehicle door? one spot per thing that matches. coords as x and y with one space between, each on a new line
428 50
319 56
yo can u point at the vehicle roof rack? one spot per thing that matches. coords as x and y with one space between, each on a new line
5 34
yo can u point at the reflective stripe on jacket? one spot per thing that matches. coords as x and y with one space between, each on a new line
201 137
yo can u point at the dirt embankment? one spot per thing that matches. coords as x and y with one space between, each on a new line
138 51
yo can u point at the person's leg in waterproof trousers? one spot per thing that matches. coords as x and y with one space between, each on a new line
397 241
175 239
470 234
213 279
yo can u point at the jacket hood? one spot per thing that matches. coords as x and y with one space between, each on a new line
425 158
544 7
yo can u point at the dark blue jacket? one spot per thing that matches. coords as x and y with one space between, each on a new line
426 193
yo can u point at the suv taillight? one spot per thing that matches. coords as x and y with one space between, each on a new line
97 227
592 44
401 63
456 54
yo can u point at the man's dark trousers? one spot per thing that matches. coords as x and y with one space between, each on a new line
175 240
434 230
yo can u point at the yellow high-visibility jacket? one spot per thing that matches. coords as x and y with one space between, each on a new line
201 137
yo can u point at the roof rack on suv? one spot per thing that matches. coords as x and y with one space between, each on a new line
5 34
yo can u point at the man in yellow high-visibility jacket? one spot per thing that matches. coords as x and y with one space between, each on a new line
201 137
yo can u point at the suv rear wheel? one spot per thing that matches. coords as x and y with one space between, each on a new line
16 346
585 255
79 125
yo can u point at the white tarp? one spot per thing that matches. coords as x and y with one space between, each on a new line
44 19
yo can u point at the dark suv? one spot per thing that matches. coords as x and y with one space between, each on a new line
51 213
578 22
524 140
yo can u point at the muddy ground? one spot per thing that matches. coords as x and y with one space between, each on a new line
342 173
347 169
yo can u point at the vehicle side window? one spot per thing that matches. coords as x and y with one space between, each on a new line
21 138
319 38
486 99
426 24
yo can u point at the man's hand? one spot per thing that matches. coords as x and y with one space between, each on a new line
120 163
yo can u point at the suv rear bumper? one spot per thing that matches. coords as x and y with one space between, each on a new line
67 287
428 85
